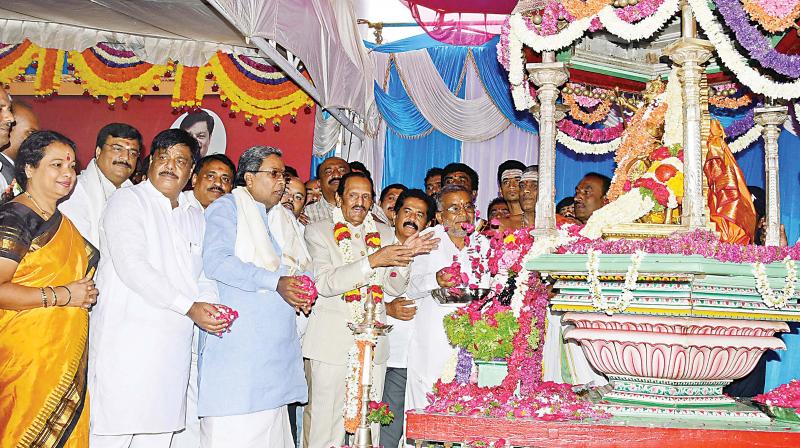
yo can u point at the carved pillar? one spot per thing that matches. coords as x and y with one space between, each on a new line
690 53
772 118
547 76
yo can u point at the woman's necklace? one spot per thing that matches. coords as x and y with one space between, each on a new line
45 214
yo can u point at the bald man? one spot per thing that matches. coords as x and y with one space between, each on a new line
6 121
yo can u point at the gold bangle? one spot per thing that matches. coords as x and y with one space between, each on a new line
69 298
55 296
44 297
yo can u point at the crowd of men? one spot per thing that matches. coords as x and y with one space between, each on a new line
166 370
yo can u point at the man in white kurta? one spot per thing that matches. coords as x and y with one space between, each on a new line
212 178
116 153
328 339
429 348
154 293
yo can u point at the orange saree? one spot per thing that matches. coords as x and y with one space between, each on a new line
43 351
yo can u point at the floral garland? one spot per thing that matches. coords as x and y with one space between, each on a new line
353 392
673 120
581 133
623 301
726 102
580 147
756 44
747 139
769 297
344 240
104 73
642 29
629 207
737 63
189 88
774 15
14 59
48 72
599 114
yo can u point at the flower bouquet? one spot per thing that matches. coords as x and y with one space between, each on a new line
227 314
783 402
487 335
379 413
307 285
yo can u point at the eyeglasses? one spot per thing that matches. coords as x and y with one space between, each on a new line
275 174
340 169
463 208
225 179
119 149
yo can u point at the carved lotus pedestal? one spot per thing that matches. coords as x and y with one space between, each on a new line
692 326
671 362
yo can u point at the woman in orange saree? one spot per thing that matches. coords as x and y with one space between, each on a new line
45 295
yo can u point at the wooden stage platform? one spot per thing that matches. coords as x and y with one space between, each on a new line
614 432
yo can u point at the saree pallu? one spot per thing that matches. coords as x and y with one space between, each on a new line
43 352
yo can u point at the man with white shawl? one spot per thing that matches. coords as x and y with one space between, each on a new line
117 150
255 253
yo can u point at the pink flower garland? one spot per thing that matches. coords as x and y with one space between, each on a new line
698 242
583 134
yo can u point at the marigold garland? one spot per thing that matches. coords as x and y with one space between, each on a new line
14 59
189 88
48 72
255 98
100 78
726 102
353 389
599 114
771 22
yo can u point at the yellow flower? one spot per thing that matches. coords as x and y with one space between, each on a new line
675 184
509 239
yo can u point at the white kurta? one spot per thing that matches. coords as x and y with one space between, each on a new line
85 205
429 348
150 274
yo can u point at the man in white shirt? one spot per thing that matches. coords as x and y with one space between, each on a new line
212 178
429 348
151 272
329 173
6 121
116 152
25 124
414 212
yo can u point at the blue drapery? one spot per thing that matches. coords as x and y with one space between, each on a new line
571 167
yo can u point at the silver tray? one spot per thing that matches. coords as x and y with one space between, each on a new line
458 296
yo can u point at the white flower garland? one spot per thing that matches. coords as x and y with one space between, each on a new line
580 147
519 30
353 379
673 123
346 249
772 300
449 369
745 140
518 298
627 208
622 301
641 29
737 63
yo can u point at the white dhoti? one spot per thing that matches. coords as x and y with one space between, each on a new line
269 428
323 420
189 437
564 361
160 440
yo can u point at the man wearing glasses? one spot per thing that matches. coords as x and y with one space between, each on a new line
118 148
250 375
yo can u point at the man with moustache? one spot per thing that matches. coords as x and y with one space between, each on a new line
313 191
151 272
590 195
294 198
329 173
6 121
116 153
415 211
25 124
249 376
211 179
337 272
429 348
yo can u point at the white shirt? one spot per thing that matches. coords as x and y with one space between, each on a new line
399 338
150 274
428 348
85 205
319 211
5 160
